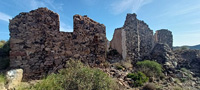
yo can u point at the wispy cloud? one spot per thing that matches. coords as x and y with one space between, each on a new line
66 28
131 5
186 10
34 4
4 17
184 7
51 4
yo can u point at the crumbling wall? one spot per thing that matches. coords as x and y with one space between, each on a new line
132 37
89 40
138 39
146 39
38 47
119 41
116 42
164 36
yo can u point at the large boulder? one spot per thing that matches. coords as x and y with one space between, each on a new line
14 78
163 54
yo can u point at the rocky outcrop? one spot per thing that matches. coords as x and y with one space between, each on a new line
164 36
163 54
38 47
189 59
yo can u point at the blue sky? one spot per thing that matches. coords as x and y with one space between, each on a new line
182 17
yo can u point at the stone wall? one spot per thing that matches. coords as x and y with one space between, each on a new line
146 39
116 42
138 39
38 47
164 36
119 42
132 37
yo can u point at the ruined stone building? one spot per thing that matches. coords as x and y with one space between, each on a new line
38 47
135 40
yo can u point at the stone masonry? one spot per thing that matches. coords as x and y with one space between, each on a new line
164 36
138 41
38 47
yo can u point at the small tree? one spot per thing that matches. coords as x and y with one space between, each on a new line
150 68
138 78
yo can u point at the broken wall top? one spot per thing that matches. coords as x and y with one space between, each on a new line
164 36
38 47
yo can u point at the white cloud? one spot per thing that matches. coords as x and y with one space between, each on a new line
34 4
4 17
66 28
123 5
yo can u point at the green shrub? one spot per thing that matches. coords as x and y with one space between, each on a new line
119 67
2 42
2 78
184 48
150 68
4 54
77 77
138 78
183 79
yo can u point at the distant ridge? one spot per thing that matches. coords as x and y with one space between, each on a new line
190 47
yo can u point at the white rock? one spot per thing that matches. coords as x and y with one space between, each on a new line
14 78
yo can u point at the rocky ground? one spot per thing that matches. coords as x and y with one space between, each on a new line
186 82
180 80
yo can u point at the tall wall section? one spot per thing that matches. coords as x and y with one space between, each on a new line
146 39
138 39
38 47
119 41
132 37
164 36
